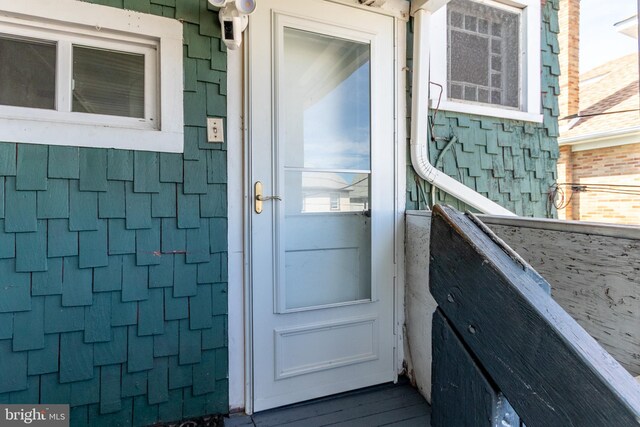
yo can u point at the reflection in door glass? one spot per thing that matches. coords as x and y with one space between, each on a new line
325 114
327 102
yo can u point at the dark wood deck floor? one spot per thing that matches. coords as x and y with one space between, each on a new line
383 405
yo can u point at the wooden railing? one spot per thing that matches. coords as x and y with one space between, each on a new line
504 352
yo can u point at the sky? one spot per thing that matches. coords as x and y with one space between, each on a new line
599 40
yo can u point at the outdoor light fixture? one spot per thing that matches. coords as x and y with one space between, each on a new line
234 17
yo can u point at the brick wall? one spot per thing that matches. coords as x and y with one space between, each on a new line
113 262
569 41
613 166
511 162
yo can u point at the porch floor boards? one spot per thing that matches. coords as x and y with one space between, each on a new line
383 405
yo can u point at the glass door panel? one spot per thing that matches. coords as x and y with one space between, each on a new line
327 170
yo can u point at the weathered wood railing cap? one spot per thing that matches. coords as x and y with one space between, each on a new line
551 370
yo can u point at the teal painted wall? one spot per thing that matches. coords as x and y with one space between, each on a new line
113 293
511 162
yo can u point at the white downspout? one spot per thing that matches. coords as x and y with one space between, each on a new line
419 122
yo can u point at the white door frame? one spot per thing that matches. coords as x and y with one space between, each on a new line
239 207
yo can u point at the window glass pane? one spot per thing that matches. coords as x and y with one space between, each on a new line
27 73
484 54
108 82
469 58
327 238
327 101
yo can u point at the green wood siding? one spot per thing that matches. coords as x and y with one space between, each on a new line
511 162
112 262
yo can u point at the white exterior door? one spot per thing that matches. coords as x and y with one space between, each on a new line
321 132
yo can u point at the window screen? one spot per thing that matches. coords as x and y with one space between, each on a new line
27 73
483 54
108 82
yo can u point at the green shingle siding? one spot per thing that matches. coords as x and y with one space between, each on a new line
112 283
511 162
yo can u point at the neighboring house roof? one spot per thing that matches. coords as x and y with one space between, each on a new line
608 100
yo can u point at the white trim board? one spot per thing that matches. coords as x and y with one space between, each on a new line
594 141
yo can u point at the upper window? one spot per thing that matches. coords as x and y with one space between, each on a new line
491 51
73 73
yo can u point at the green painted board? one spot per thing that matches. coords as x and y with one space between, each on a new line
159 381
32 167
61 319
214 202
31 249
200 314
171 167
184 277
150 314
111 203
175 308
93 247
83 214
76 358
190 344
114 351
144 414
167 344
93 169
163 204
20 208
6 326
7 243
216 336
110 389
204 374
134 280
15 292
8 161
123 313
45 360
218 235
198 243
120 165
174 239
76 284
61 240
172 409
188 210
140 351
161 275
138 5
219 297
211 271
54 203
13 369
195 176
146 172
97 318
63 162
52 391
138 208
28 327
86 392
216 167
148 250
121 240
109 278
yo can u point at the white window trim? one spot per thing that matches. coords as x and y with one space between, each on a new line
530 65
72 21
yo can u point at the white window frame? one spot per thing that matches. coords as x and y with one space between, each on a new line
530 27
71 22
